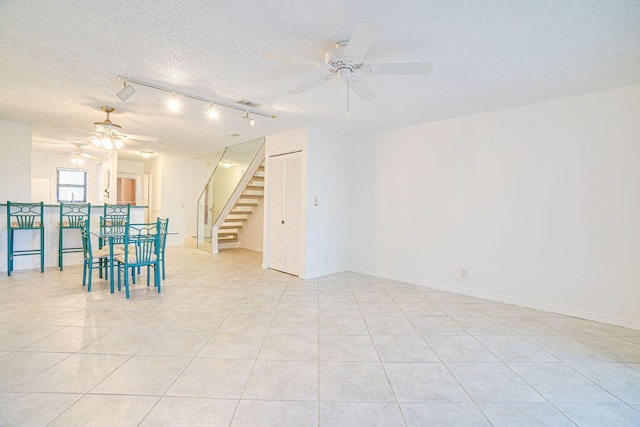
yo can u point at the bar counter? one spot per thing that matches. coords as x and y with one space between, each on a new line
25 239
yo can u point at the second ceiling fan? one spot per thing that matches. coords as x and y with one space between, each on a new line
346 62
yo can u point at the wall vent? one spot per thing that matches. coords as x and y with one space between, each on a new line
233 135
248 103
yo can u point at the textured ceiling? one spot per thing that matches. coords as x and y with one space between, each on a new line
59 62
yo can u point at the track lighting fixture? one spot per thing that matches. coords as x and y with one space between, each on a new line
212 112
174 104
248 120
126 92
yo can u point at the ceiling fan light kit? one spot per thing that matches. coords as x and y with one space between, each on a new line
345 62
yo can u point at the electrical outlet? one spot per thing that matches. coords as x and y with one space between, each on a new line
464 273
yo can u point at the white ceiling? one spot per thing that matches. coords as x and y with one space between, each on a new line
59 62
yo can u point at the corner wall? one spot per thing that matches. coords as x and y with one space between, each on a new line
15 162
540 203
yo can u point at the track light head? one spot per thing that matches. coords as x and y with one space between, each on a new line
126 92
248 120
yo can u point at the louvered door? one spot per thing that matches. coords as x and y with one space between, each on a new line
285 212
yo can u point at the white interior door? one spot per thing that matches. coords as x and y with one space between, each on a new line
285 212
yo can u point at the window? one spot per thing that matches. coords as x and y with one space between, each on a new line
72 185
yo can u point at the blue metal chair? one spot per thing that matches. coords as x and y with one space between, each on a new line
117 210
24 216
92 259
72 216
164 228
142 248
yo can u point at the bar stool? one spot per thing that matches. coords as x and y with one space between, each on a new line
72 216
24 216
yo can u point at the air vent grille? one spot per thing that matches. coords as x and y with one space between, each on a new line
248 103
233 135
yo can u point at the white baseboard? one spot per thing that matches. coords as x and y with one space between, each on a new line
327 272
569 311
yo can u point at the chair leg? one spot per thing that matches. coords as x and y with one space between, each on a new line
156 276
163 275
149 276
90 275
60 247
126 282
41 249
84 273
9 251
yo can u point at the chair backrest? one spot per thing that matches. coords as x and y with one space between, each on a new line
163 224
25 215
117 210
72 215
86 239
115 225
142 243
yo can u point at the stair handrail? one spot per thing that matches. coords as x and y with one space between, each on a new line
257 160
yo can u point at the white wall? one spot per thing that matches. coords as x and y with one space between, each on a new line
45 165
252 234
15 162
327 228
182 182
283 143
325 174
540 203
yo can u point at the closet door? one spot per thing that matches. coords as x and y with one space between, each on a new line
285 212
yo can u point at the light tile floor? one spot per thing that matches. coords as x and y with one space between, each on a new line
229 343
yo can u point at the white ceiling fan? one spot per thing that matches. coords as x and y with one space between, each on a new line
77 155
346 62
108 135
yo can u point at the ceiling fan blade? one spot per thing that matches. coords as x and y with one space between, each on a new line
88 156
139 137
361 40
409 69
360 88
292 59
309 85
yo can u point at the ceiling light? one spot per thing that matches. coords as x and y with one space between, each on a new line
226 164
77 160
107 143
248 120
173 104
96 142
118 144
212 112
126 92
146 154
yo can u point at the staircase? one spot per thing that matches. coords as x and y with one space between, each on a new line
241 211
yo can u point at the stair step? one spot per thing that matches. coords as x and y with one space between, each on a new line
240 212
261 168
224 234
246 205
254 188
257 178
230 227
227 240
234 220
252 196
